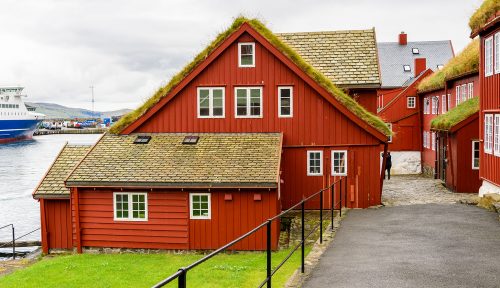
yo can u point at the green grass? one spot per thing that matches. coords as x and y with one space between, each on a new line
483 14
333 90
465 62
245 269
456 115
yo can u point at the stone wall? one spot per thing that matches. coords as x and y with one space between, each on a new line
428 171
406 162
488 188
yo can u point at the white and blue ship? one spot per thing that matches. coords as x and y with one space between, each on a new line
17 122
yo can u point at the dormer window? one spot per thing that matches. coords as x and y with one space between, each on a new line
246 54
415 51
406 68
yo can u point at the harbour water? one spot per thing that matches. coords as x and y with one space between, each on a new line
22 165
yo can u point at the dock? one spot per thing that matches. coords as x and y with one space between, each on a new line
40 132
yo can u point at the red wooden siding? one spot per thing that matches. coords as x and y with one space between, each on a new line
56 231
315 121
490 103
367 98
166 228
233 218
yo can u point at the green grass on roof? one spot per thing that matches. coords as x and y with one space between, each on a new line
465 62
483 14
456 115
337 93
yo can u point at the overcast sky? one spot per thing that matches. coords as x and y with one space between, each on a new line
127 49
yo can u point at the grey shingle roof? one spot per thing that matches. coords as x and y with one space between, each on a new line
348 58
393 56
217 160
52 184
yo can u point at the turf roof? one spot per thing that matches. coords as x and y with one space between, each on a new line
337 93
465 62
483 14
456 115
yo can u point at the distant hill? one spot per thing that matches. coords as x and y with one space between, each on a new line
56 111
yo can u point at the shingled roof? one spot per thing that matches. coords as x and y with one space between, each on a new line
394 56
348 58
216 160
52 185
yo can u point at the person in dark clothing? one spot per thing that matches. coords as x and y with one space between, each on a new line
388 165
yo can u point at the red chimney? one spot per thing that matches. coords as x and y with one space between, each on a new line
403 40
420 66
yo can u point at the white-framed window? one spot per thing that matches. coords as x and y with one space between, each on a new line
475 155
497 52
285 101
199 206
246 54
248 102
470 90
457 95
463 91
339 162
411 102
389 125
449 101
488 133
427 104
435 101
130 206
443 104
424 139
314 163
496 135
211 102
488 56
433 141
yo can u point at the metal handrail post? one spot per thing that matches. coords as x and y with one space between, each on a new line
332 208
302 267
181 281
13 243
321 217
340 192
269 268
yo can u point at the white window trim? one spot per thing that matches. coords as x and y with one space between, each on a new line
191 216
130 206
389 139
211 102
488 131
309 162
408 102
496 53
463 94
248 103
279 101
239 54
496 135
433 141
470 90
434 105
488 69
473 142
345 162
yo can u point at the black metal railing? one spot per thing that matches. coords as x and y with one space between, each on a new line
181 274
14 239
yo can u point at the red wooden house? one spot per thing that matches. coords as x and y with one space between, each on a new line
246 129
449 126
486 23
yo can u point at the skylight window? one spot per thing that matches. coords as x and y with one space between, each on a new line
440 66
406 68
415 51
190 140
142 140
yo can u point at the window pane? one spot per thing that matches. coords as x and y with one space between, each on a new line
196 205
135 206
217 112
196 198
119 214
135 214
246 60
125 214
285 93
196 212
255 93
285 102
246 49
204 198
204 112
204 205
285 110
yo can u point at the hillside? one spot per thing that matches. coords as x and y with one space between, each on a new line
56 111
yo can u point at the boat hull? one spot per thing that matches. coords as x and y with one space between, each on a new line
19 129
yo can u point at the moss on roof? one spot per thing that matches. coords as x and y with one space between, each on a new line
337 93
488 9
456 115
465 62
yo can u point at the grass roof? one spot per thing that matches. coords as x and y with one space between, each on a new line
465 62
334 91
488 9
456 115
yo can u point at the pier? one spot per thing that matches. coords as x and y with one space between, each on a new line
40 132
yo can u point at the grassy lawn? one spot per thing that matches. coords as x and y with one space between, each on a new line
136 270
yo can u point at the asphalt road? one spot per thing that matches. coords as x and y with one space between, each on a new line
431 245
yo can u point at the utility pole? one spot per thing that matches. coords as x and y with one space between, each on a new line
92 88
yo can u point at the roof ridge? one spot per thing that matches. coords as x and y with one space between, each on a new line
324 31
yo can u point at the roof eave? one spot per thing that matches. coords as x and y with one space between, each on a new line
485 27
170 185
51 196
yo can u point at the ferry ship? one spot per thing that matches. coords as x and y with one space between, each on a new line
17 122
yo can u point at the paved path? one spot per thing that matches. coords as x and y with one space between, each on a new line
431 245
